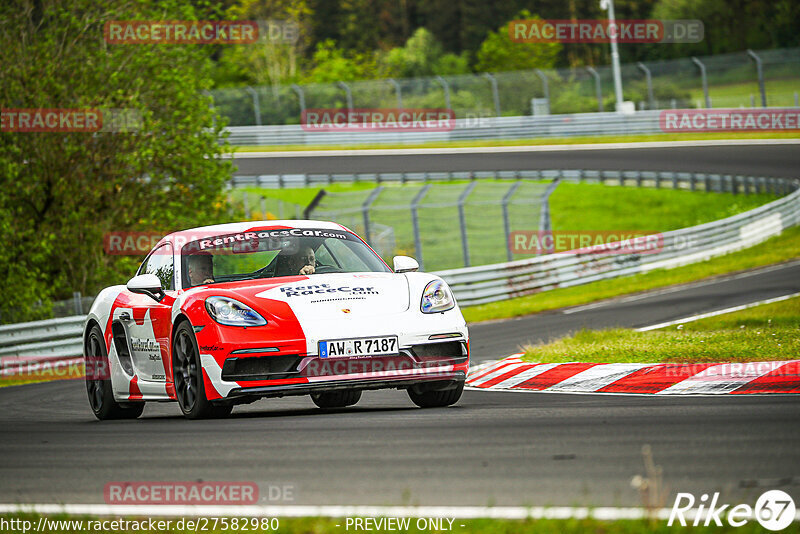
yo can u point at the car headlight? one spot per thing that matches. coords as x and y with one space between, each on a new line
228 311
437 298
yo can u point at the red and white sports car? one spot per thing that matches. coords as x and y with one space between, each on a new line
227 314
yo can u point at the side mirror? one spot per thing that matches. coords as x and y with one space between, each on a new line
404 264
147 284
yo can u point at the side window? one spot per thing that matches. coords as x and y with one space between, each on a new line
160 263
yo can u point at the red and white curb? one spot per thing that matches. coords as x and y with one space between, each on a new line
655 379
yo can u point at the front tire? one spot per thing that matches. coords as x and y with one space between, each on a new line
187 373
427 398
98 381
336 399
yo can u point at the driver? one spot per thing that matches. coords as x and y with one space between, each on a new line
201 269
303 262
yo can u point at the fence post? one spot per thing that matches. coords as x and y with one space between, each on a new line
651 102
462 221
301 96
598 89
704 79
545 86
675 184
506 221
545 224
244 203
365 210
495 94
707 179
348 94
760 73
398 91
76 301
264 208
256 105
311 205
446 88
415 223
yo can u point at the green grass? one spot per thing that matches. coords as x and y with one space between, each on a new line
488 526
573 206
780 92
602 207
763 333
777 249
689 136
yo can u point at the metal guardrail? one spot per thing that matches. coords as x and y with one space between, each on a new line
490 283
39 341
60 339
522 127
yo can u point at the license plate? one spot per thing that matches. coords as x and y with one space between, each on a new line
365 346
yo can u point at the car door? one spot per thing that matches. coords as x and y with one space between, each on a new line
150 327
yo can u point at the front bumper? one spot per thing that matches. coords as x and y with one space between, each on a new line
440 381
317 374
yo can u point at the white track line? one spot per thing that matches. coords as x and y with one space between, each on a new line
603 513
506 149
717 312
681 287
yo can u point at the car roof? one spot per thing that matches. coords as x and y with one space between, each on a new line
182 237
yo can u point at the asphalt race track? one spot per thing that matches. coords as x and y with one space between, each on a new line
492 448
778 160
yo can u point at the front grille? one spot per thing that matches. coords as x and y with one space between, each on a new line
440 351
261 368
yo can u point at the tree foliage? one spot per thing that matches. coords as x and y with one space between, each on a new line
60 192
499 53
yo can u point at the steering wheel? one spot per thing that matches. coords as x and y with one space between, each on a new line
325 269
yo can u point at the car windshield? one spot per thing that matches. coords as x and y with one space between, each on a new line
273 253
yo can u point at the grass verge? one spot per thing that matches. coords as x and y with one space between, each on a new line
777 249
762 333
531 142
326 525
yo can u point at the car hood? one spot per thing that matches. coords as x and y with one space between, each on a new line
329 296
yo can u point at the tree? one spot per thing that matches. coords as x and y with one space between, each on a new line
499 53
422 55
270 61
60 192
332 64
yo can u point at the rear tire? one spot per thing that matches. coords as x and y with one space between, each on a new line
187 374
98 381
336 399
436 399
